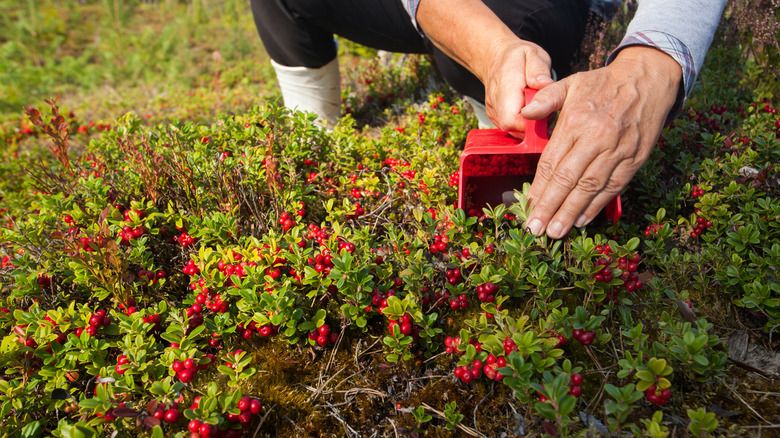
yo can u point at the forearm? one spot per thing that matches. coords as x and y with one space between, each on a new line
471 41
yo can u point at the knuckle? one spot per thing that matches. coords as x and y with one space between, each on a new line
564 177
590 184
544 170
613 186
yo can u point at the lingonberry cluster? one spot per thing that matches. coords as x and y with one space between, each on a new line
439 243
657 395
248 407
454 276
131 215
454 179
150 277
461 302
191 268
97 320
439 298
357 212
701 225
486 292
323 336
121 360
168 413
186 369
128 233
379 299
405 326
628 267
586 337
574 385
185 240
492 365
321 235
204 297
248 330
347 246
286 221
466 374
697 191
154 319
43 280
652 229
509 346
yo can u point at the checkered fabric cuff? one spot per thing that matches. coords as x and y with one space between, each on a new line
674 48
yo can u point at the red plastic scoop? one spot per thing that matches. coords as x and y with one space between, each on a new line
493 164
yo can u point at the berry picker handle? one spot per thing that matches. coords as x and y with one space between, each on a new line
536 137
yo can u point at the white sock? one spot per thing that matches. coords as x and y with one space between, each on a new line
316 90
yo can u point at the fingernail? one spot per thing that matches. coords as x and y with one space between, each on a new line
532 106
554 230
543 78
581 221
535 226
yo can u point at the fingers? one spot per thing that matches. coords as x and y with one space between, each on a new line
566 183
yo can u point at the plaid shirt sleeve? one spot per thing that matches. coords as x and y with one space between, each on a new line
669 45
672 47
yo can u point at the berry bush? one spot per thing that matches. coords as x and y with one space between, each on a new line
257 276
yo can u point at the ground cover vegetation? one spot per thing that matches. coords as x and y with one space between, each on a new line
182 257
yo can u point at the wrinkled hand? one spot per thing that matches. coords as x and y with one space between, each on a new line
609 120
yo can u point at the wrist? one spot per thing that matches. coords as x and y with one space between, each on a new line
655 69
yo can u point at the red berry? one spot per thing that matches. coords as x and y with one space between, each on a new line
575 390
576 379
255 406
324 330
244 403
171 415
205 429
194 426
186 375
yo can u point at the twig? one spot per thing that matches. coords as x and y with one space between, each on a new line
748 405
394 428
334 350
262 420
492 387
321 386
343 422
293 423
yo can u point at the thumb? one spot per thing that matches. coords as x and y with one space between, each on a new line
537 71
547 101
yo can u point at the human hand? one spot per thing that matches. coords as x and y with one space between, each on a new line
515 65
470 33
609 120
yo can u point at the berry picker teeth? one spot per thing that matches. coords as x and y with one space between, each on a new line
494 164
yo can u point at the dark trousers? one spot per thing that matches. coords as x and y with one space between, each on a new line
300 32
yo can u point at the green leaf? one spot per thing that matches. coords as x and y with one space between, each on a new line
657 365
32 430
645 376
546 410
